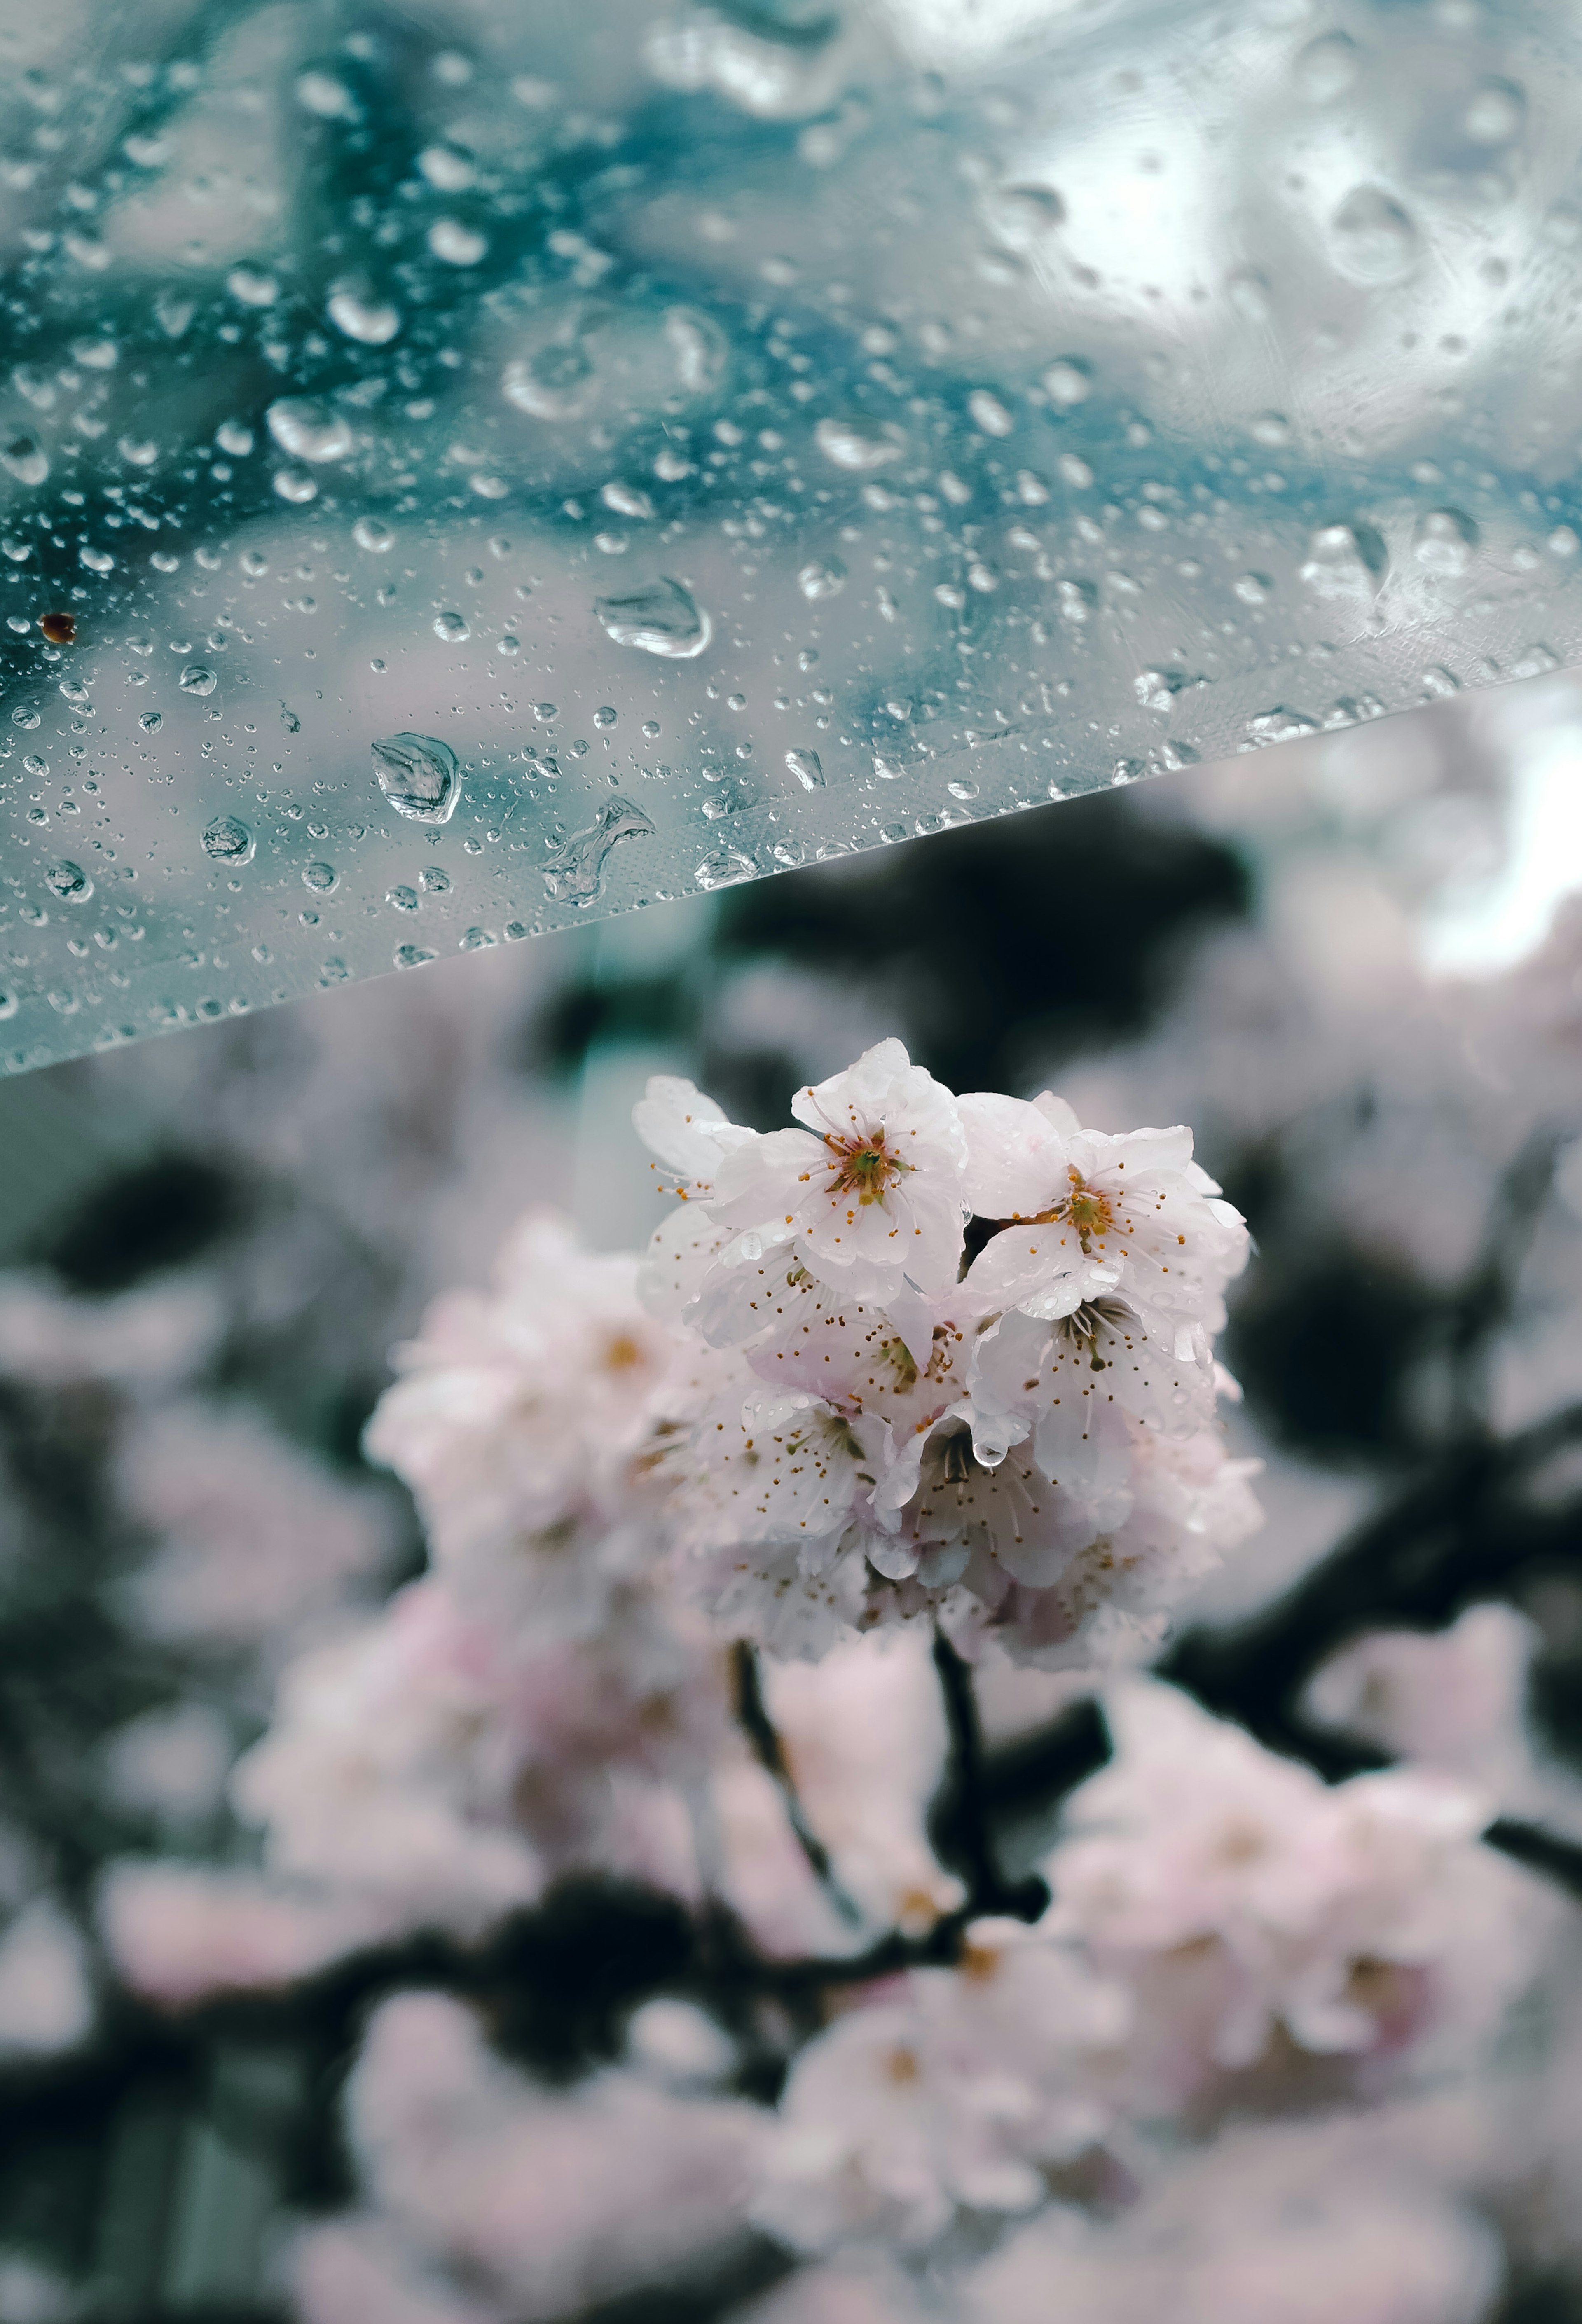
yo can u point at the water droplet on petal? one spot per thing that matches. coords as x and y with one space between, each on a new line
320 877
70 882
308 430
452 627
575 872
412 956
419 775
663 618
151 722
370 533
231 437
228 841
858 444
196 679
140 450
405 899
822 577
808 768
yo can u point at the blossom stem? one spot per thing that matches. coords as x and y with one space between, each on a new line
960 1815
753 1715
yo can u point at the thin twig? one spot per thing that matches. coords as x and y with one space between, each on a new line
753 1713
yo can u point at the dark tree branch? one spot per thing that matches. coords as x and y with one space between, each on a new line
759 1728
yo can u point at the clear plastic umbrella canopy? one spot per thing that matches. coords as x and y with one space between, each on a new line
464 471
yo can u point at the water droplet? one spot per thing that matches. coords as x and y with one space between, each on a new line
75 693
70 882
1280 725
25 457
320 877
308 430
231 437
575 872
823 577
1252 588
255 564
405 899
808 768
988 413
1344 560
419 775
544 712
554 382
358 313
605 714
25 717
141 450
456 244
1373 238
1445 541
97 560
172 313
412 956
151 722
858 444
321 93
290 720
228 841
9 1004
1156 690
251 287
663 619
1497 114
450 171
959 788
1328 67
509 644
700 347
626 500
1067 382
434 882
196 679
294 484
475 940
725 869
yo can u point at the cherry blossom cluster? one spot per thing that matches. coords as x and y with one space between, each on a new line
1226 1932
952 1357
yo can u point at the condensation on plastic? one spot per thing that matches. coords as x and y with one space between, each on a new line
516 465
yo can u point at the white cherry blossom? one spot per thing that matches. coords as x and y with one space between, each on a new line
957 2091
870 1190
1095 1216
1240 1896
517 1415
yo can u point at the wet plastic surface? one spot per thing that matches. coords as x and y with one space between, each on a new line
461 476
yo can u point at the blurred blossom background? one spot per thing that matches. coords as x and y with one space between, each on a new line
387 1933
